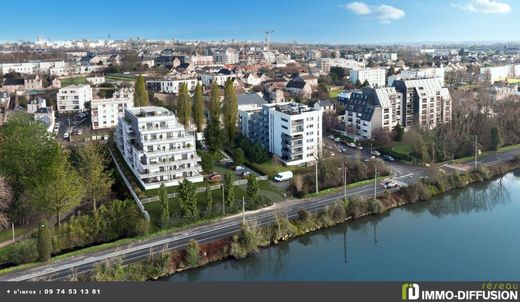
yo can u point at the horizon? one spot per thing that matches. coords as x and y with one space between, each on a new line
370 22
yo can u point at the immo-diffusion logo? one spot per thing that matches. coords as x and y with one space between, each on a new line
486 292
410 291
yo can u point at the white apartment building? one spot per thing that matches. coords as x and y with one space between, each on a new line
31 67
157 148
291 131
170 85
376 77
499 73
371 109
105 113
324 64
413 74
426 103
73 98
229 56
219 78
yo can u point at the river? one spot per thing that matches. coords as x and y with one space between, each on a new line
466 234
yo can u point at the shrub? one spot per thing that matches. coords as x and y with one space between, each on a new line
192 253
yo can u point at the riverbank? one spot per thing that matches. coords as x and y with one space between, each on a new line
255 237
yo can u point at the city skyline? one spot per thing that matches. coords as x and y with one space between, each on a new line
331 22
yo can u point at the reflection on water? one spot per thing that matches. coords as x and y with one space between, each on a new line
467 234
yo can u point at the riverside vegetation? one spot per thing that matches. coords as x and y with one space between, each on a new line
252 238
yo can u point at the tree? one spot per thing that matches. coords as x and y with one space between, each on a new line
365 84
398 132
252 188
59 188
184 105
6 199
93 163
230 111
188 200
193 253
206 162
496 138
229 190
140 93
213 135
198 107
165 206
239 156
209 201
44 241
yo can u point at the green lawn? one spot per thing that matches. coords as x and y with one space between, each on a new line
270 169
403 149
120 77
73 81
8 235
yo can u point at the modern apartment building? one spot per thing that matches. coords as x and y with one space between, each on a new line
371 109
170 85
376 77
291 131
426 103
228 56
73 98
157 148
324 64
105 113
423 73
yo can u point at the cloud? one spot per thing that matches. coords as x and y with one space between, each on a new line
485 6
383 12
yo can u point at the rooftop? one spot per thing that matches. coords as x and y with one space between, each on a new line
149 111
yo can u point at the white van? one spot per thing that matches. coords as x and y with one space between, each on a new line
283 176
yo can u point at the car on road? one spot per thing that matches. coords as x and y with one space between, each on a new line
342 150
79 132
214 177
375 153
351 145
337 139
66 135
390 185
388 158
331 137
366 159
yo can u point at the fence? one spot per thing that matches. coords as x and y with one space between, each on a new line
203 189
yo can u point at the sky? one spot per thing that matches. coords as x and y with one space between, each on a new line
303 21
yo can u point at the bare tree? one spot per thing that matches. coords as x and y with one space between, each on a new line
6 198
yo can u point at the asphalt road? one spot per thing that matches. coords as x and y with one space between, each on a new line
67 268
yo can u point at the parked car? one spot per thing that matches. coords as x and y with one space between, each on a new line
360 147
337 139
79 132
366 159
283 176
351 145
214 177
331 137
65 135
246 174
375 153
388 158
342 150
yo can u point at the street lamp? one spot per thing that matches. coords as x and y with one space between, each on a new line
317 190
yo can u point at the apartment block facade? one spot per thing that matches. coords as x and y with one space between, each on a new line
170 85
291 131
73 98
371 109
376 77
157 148
426 103
105 113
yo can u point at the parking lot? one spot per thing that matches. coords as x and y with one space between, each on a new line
73 125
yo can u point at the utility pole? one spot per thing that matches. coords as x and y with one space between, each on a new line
223 202
375 183
433 154
476 151
12 228
243 210
344 182
317 190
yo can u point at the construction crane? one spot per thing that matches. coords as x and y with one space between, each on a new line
267 34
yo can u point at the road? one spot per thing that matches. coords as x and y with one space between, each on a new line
66 268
